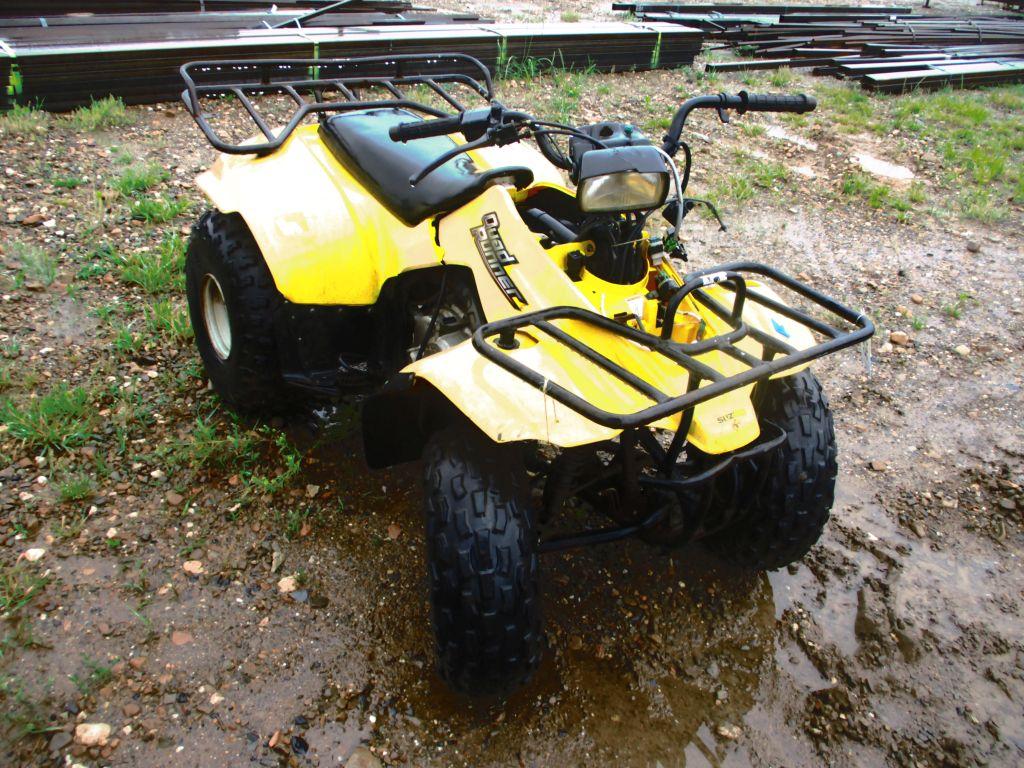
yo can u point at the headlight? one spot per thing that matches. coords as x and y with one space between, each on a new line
628 178
625 191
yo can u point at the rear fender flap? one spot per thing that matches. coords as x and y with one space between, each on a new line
399 418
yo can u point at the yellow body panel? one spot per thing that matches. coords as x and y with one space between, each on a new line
328 241
508 409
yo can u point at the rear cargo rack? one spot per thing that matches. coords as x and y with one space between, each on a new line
326 86
777 356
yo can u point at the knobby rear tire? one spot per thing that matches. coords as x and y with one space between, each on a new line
249 379
482 562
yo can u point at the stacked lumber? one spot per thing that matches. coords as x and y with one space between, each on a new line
65 64
885 49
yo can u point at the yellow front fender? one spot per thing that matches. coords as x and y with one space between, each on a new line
507 408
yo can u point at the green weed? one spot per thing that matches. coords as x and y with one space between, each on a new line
156 271
68 182
19 585
754 174
104 113
157 210
36 263
167 321
881 196
126 343
847 106
77 487
10 349
97 675
956 310
70 529
24 121
781 78
20 715
139 178
62 418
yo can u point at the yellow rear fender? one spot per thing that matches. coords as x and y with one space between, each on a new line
325 239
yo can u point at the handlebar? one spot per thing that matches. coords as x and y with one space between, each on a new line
497 126
776 102
425 129
741 102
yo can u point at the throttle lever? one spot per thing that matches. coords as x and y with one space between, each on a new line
723 115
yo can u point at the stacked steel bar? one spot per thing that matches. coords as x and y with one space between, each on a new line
166 27
98 62
11 8
886 49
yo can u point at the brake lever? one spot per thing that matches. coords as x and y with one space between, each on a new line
437 162
723 115
498 134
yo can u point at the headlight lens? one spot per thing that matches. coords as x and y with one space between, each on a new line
626 191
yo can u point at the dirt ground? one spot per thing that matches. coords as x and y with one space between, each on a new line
143 548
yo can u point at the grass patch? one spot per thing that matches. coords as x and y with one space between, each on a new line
754 174
978 136
848 107
36 263
139 178
157 210
955 310
24 121
20 715
104 113
19 585
570 17
67 182
77 487
62 418
156 271
881 196
97 674
126 343
168 322
265 460
781 78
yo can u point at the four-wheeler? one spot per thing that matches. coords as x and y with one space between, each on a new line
517 318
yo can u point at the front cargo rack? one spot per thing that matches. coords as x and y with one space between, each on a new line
777 356
328 86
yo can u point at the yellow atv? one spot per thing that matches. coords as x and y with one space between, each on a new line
406 246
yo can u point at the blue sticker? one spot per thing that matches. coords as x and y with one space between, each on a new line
780 327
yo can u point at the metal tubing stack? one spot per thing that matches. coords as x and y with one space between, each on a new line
62 62
884 48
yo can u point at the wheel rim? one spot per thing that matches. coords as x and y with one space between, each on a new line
215 317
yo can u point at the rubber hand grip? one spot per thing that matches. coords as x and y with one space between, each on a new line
771 102
424 129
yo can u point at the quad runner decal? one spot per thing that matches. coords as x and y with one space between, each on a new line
496 256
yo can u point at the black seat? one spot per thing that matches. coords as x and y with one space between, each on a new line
361 143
